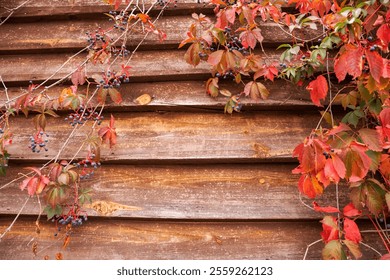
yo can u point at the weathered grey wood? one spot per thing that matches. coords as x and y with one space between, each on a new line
126 239
220 192
70 34
180 137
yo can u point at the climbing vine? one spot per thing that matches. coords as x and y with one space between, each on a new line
58 184
350 49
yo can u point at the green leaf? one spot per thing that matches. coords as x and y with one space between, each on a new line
375 160
370 194
333 251
84 196
353 248
51 212
3 170
55 195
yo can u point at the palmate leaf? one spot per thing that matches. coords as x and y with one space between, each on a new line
52 211
351 231
369 194
318 90
349 61
333 251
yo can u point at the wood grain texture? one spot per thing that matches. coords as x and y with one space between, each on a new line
70 34
126 239
164 65
187 95
218 192
180 137
83 8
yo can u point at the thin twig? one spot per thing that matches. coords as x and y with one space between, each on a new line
5 88
14 221
304 203
308 247
12 11
368 246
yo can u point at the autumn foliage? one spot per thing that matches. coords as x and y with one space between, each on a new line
346 64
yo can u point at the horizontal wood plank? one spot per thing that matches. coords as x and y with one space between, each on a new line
187 95
230 192
164 65
124 239
71 34
180 137
87 8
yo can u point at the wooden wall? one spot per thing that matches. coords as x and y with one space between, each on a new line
184 181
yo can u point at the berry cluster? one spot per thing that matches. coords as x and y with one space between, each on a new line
97 39
88 165
74 221
82 115
38 142
112 79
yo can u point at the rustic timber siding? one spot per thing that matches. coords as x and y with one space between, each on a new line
184 181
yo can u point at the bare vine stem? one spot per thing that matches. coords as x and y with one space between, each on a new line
308 247
14 221
12 11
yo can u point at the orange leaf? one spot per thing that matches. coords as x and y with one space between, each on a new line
309 186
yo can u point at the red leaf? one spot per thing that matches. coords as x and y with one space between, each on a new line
125 70
309 186
115 95
230 14
215 57
78 77
350 211
330 230
357 162
371 138
351 231
376 63
318 90
249 38
349 61
311 155
385 257
383 34
108 133
327 209
268 72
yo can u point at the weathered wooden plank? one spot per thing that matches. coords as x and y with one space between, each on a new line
126 239
220 192
181 137
164 65
70 34
186 95
85 8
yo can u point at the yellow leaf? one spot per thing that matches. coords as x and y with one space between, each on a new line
144 99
